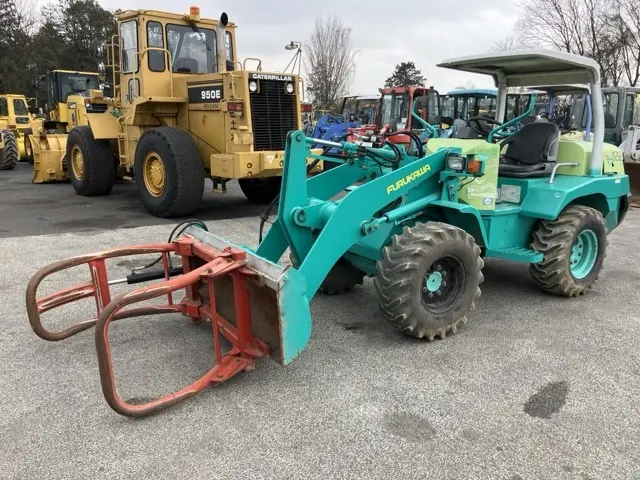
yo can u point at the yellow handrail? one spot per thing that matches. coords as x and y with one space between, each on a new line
140 58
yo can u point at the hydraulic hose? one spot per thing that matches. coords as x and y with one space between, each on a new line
415 138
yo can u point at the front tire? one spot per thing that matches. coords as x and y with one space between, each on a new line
261 191
90 163
169 172
9 153
28 149
574 247
428 279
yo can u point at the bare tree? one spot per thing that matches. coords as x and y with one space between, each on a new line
329 63
624 32
574 26
468 85
513 42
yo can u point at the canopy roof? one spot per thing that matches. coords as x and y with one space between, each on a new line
524 68
565 89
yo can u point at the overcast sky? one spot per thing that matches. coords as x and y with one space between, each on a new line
425 32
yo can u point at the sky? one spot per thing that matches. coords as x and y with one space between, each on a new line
425 32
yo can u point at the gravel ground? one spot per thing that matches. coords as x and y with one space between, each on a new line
533 387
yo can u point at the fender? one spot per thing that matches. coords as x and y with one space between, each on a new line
464 216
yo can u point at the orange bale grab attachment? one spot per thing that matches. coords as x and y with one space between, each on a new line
208 277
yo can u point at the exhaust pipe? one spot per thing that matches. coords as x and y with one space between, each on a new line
221 50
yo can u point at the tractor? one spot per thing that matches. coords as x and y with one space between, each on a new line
70 97
393 120
622 127
420 226
15 122
184 109
355 110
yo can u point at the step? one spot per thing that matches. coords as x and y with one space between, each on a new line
515 254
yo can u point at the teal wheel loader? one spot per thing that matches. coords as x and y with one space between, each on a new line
420 226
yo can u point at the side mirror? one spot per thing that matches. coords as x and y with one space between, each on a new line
101 68
99 51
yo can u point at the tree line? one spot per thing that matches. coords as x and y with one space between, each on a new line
606 30
62 35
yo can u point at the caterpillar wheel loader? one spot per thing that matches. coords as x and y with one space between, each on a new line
184 109
70 95
420 226
15 122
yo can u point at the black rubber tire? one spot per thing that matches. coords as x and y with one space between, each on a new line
28 150
97 159
260 191
342 277
555 240
9 153
399 281
184 171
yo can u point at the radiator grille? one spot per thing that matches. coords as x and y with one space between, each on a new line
273 114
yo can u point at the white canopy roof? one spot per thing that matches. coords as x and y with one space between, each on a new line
524 68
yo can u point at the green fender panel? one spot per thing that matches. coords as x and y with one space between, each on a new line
546 200
463 216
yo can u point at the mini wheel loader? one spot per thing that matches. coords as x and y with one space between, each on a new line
418 225
184 109
14 123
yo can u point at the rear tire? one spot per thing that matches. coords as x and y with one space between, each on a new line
169 172
428 279
261 191
9 153
90 163
574 247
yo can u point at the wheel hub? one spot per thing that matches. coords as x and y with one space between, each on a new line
442 284
584 252
77 162
154 174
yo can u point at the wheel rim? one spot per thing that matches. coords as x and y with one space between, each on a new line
154 174
77 162
584 253
443 284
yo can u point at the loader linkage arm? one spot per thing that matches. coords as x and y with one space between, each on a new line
201 265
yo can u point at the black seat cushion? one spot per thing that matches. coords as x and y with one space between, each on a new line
528 150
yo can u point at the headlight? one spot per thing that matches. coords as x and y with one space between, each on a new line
253 86
289 87
455 163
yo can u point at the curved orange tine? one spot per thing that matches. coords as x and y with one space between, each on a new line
218 266
36 306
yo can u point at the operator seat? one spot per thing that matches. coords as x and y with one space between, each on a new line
531 152
185 65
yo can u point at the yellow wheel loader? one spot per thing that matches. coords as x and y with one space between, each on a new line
70 96
15 122
184 109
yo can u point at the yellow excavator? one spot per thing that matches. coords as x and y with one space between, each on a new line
70 96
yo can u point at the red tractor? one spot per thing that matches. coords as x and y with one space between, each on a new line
394 122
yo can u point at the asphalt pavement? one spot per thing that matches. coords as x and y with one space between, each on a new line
533 387
30 209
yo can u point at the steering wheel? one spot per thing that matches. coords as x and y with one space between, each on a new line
476 126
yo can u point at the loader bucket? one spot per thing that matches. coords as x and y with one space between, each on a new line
259 307
280 313
48 156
